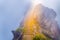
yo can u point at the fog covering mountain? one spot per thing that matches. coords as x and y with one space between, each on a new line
12 12
45 18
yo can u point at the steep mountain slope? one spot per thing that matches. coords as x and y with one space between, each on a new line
39 20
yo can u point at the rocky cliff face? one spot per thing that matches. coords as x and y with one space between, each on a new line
39 20
47 21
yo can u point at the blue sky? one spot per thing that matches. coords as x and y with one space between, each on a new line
13 11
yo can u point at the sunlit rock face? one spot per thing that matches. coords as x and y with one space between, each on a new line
39 20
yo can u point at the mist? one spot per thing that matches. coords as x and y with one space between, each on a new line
12 12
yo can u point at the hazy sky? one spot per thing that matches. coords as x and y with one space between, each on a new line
13 11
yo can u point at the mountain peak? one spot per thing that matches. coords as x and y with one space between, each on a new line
39 20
